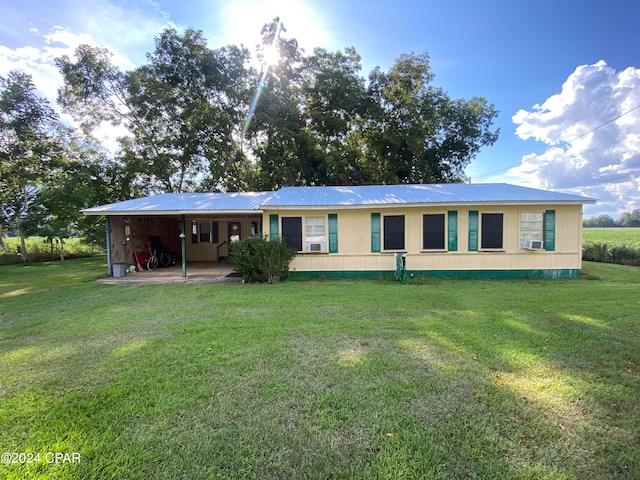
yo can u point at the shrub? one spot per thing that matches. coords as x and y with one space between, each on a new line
260 259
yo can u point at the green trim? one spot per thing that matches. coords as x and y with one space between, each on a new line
470 274
452 230
375 232
333 233
274 224
473 230
550 230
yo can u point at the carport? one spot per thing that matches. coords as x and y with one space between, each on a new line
192 227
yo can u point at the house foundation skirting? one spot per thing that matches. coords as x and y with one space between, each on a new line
471 274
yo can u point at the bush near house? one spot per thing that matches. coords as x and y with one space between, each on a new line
260 259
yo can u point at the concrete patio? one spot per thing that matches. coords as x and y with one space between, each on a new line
197 273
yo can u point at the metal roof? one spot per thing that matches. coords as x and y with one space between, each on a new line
184 203
337 197
393 195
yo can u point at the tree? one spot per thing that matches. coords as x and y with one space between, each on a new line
182 108
415 133
631 219
335 100
29 151
315 119
600 221
278 140
188 100
85 177
319 123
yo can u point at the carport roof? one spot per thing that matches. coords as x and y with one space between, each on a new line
184 203
337 197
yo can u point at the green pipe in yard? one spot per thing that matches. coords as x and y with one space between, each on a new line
401 267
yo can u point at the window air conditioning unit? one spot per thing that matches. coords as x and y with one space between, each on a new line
532 244
314 247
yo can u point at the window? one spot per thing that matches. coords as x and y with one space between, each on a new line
491 234
531 227
292 232
314 233
394 232
433 231
204 230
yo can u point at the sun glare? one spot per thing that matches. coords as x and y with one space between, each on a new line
271 55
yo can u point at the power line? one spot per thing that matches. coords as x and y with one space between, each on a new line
563 144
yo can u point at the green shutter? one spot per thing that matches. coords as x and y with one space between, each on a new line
273 226
473 230
333 233
550 230
452 230
375 232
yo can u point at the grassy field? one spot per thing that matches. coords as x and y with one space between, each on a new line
629 236
41 249
337 379
622 245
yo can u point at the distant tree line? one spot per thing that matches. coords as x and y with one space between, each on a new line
628 219
202 119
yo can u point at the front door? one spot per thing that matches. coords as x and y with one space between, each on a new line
234 231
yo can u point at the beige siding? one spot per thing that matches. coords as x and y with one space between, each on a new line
354 240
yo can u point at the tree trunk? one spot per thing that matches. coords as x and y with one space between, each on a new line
23 244
61 249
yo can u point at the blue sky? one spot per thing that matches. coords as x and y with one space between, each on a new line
555 69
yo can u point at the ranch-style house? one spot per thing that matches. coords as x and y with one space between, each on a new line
452 230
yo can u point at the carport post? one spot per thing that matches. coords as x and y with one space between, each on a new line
108 232
183 241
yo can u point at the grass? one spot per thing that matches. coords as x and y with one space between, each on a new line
40 249
628 236
320 379
623 245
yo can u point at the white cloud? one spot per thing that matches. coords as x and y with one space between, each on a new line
128 33
589 153
38 60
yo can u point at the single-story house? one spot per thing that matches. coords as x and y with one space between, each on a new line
469 230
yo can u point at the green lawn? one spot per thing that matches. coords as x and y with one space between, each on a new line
320 379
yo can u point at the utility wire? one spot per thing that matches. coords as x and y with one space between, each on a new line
563 144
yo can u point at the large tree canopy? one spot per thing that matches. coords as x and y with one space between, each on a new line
183 109
317 120
29 150
48 171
